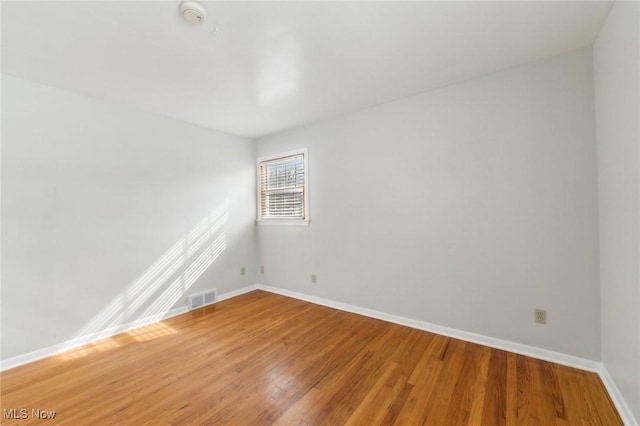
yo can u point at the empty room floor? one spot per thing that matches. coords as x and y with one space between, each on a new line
262 358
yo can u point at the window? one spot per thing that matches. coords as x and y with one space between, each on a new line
283 198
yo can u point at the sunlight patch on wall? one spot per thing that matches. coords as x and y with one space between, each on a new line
179 287
149 296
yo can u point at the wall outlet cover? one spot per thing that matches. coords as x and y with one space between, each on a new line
540 316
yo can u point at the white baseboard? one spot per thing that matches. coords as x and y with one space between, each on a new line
621 405
86 339
506 345
532 351
238 292
94 337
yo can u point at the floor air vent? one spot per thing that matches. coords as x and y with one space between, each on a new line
198 300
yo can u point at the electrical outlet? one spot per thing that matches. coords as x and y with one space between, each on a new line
242 271
261 269
540 316
313 278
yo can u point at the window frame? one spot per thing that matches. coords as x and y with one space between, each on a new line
287 221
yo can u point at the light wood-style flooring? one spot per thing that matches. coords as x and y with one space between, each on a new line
262 358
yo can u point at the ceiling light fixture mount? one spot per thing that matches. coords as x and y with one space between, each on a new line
193 12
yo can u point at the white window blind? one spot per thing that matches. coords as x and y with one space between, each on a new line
283 188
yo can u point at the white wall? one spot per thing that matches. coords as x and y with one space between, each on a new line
94 195
617 70
467 207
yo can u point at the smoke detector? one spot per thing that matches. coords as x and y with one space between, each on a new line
193 12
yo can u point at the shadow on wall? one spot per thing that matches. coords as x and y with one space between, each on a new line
149 297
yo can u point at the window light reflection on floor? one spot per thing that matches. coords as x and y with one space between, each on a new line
99 346
152 331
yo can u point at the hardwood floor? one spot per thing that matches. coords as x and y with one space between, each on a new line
261 358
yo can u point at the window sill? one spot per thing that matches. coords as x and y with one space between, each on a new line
271 222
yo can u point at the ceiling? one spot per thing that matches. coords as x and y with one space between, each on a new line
257 68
